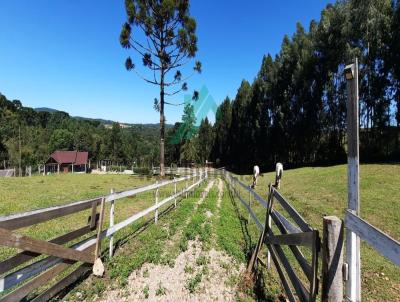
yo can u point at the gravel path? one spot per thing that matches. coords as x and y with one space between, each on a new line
197 275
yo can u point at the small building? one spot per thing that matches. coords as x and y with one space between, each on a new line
67 161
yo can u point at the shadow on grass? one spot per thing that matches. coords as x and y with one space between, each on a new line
259 286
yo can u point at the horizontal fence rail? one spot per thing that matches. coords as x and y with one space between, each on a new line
384 244
293 236
22 280
20 220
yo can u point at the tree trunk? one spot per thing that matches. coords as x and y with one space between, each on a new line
162 127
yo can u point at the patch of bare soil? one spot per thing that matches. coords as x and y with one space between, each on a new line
196 276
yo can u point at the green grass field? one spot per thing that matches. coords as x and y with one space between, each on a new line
314 192
320 191
30 193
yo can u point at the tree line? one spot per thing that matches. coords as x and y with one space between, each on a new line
33 136
294 111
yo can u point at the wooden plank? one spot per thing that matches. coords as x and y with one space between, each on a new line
314 264
282 276
302 239
25 256
256 196
133 218
18 241
253 215
383 243
292 212
262 237
20 220
17 221
119 195
286 223
29 271
40 280
65 282
25 289
307 269
93 214
97 250
300 289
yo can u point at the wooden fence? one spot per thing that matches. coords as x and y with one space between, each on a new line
18 280
291 234
302 234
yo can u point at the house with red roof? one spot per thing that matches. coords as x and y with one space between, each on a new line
67 161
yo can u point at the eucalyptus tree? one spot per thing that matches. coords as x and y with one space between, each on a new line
221 151
205 140
167 42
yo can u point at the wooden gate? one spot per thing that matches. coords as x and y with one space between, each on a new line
59 258
292 234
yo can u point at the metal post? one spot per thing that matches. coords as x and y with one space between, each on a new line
112 208
156 214
353 285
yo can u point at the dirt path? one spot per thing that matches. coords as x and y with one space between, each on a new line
196 275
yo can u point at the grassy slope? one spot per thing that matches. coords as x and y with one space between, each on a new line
315 192
23 194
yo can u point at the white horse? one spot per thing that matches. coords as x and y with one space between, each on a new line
278 175
256 173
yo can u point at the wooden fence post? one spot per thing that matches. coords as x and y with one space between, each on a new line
353 284
98 267
112 208
175 191
99 228
186 188
270 197
156 214
200 177
332 259
249 204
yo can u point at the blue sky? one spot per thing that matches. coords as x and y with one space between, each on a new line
65 54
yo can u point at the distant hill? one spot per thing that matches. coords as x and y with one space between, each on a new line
45 109
103 121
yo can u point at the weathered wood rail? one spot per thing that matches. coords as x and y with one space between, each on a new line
335 270
291 235
18 281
